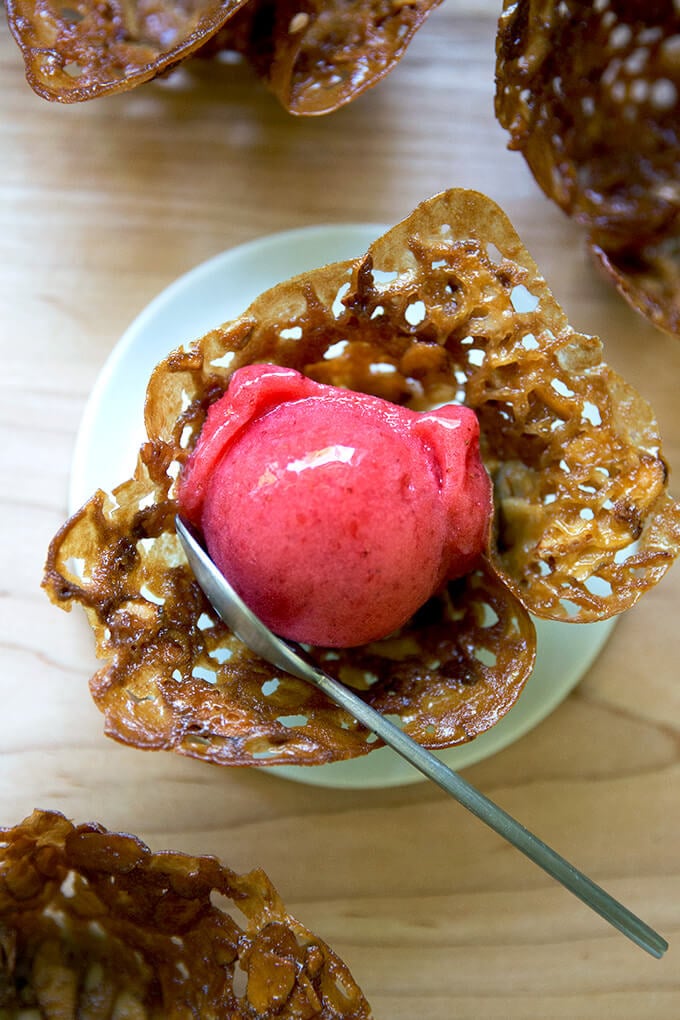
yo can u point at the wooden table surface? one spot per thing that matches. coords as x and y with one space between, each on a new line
101 206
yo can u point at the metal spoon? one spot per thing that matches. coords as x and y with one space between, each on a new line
250 629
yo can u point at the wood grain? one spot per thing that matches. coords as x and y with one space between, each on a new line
101 206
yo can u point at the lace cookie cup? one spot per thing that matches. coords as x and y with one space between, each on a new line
590 93
315 56
447 305
93 925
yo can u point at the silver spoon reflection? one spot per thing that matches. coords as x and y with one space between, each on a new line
250 629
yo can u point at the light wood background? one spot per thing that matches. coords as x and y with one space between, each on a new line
101 206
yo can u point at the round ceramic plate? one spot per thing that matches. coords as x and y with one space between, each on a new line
112 429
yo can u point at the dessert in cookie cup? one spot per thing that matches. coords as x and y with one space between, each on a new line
447 307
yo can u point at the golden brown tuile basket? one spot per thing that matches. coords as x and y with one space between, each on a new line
315 56
590 93
451 306
94 925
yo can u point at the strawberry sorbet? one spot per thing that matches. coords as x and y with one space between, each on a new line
335 515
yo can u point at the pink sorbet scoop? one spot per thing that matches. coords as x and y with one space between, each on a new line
335 515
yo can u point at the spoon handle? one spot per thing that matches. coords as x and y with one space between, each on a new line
499 820
256 636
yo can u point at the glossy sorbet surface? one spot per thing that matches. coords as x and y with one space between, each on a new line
335 515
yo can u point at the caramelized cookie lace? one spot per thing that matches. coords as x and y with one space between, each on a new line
446 306
590 94
93 924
